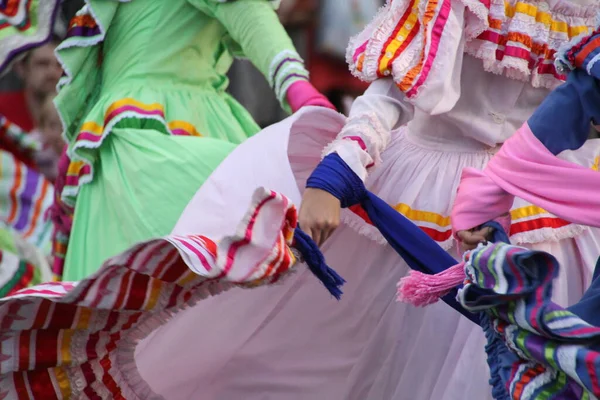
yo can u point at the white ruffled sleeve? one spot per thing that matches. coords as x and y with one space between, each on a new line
381 109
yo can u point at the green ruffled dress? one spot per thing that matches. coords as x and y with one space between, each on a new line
146 113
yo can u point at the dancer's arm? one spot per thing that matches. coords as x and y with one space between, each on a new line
255 32
366 134
380 110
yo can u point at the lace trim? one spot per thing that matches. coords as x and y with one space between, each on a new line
364 49
353 154
516 38
523 37
369 129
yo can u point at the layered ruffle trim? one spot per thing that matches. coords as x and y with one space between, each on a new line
24 25
128 298
536 349
516 38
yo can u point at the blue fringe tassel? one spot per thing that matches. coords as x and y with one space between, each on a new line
316 263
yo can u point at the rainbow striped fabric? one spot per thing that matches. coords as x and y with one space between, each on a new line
536 349
68 340
25 197
518 38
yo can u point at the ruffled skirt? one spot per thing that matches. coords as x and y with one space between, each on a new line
292 341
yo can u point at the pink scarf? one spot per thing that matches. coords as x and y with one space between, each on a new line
525 168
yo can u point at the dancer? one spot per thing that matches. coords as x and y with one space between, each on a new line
452 81
25 195
484 195
534 345
453 111
146 115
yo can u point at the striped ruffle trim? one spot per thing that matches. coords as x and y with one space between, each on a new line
536 349
92 134
404 42
530 224
516 38
24 25
84 30
65 340
523 37
76 170
27 197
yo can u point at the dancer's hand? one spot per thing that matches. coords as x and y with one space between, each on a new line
319 214
471 238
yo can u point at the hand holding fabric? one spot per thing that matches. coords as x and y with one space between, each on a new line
471 238
303 93
319 214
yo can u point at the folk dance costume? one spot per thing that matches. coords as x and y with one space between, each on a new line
452 81
536 348
448 89
25 227
25 195
146 115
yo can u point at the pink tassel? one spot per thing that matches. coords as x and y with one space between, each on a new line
420 289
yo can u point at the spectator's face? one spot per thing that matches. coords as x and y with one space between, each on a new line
41 70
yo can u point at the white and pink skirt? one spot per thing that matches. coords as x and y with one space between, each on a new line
292 340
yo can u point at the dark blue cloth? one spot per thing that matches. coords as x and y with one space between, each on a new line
420 252
587 308
316 263
562 121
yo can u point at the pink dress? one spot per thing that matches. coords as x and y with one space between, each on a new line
293 341
452 81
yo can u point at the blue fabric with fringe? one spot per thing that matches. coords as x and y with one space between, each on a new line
423 254
316 263
420 252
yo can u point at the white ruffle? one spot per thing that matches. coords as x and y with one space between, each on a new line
370 43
